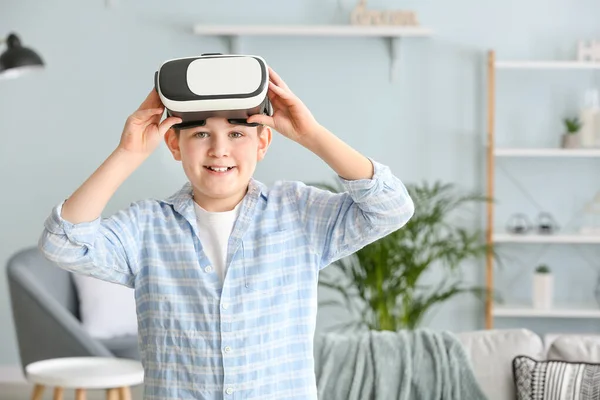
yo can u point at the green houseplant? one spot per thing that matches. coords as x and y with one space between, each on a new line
542 269
385 283
570 138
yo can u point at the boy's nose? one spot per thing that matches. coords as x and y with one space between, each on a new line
218 148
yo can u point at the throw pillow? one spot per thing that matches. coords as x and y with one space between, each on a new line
106 309
555 380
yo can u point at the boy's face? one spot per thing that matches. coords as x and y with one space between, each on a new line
219 159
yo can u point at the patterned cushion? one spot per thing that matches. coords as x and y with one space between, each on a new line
555 380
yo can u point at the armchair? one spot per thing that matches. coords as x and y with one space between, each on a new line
45 311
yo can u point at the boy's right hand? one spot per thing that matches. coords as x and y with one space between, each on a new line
143 130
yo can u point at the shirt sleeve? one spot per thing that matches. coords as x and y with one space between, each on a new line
106 248
339 224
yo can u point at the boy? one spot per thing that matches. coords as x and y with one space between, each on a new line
226 270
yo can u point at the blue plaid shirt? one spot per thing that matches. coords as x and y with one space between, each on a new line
252 336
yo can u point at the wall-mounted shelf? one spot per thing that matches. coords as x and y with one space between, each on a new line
552 65
310 30
393 34
549 152
525 311
554 238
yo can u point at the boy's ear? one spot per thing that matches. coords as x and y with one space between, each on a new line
172 141
265 135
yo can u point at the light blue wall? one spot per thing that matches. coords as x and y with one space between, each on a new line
57 127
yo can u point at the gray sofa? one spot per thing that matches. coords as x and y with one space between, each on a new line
45 311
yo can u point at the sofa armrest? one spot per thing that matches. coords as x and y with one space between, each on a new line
576 348
491 353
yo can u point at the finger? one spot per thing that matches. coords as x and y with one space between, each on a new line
151 101
272 95
277 79
168 124
261 119
282 93
277 103
145 115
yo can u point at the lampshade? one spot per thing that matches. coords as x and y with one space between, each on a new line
18 60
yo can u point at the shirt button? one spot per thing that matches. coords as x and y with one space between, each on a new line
227 349
229 390
208 269
225 306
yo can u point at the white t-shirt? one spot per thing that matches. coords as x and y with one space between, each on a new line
214 229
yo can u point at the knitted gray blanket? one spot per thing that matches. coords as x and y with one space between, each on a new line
380 365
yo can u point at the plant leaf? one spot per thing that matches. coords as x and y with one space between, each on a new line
386 278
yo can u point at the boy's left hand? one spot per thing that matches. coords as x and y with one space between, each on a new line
290 117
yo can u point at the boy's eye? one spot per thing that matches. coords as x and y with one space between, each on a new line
201 135
236 134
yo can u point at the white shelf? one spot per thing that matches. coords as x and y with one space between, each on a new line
552 65
526 311
549 152
311 30
391 33
550 238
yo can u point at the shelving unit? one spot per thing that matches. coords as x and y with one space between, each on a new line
492 153
393 34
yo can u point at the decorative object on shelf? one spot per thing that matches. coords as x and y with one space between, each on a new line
588 52
361 16
590 120
543 285
518 224
546 224
570 139
591 217
386 284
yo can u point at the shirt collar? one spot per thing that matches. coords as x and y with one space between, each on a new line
182 199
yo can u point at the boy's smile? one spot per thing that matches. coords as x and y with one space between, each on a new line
219 159
221 170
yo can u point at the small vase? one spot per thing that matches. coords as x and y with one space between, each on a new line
571 141
543 285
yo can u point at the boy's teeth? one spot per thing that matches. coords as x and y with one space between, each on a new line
224 169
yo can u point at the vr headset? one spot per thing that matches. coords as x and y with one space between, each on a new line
214 85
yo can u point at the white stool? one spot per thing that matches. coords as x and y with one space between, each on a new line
115 375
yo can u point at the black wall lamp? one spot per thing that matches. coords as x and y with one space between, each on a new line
17 60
